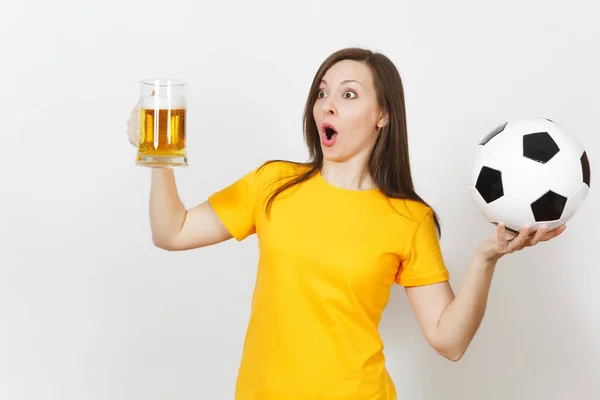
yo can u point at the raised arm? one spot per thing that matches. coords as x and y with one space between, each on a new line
173 226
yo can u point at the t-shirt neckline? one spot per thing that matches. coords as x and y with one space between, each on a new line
324 182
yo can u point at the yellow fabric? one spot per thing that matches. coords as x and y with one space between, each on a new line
328 258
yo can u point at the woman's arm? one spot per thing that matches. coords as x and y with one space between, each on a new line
176 228
450 322
173 226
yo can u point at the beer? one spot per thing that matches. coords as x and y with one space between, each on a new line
162 124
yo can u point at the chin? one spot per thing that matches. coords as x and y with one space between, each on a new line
333 154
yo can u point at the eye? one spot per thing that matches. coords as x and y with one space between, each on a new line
320 94
349 95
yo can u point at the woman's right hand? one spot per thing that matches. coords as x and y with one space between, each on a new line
133 126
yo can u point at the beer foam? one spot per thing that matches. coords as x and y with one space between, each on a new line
162 103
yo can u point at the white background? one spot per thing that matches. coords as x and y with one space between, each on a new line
89 309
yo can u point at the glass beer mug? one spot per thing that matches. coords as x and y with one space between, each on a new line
162 122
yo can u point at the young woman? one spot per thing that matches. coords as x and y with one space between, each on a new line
335 234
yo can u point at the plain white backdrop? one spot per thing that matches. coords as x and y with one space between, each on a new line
89 309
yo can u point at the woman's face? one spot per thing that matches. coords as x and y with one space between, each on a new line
346 111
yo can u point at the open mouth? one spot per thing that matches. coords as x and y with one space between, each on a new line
329 132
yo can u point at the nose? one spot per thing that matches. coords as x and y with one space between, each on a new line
328 105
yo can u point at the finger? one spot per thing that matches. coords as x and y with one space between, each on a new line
519 242
506 233
511 235
501 237
539 234
553 233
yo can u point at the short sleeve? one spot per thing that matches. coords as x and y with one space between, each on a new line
424 263
235 205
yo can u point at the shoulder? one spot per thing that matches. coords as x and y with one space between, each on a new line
282 167
411 212
273 171
268 176
417 224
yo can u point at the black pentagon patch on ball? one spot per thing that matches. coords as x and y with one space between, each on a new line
493 133
549 207
539 147
585 168
489 184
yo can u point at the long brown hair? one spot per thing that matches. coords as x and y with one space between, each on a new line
389 163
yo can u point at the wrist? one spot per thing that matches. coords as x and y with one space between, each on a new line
486 256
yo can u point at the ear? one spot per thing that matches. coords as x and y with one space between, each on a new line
383 119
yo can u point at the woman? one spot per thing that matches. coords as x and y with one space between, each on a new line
334 234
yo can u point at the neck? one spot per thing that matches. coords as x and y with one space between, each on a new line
352 174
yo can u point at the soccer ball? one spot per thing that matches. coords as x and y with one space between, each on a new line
529 173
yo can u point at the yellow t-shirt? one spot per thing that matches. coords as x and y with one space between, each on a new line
327 260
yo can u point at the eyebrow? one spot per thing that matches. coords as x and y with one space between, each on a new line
343 82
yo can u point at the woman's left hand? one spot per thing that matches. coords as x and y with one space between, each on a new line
505 242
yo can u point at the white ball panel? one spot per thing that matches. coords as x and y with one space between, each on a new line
525 180
551 225
513 213
563 173
482 205
520 127
476 165
574 203
565 142
502 150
